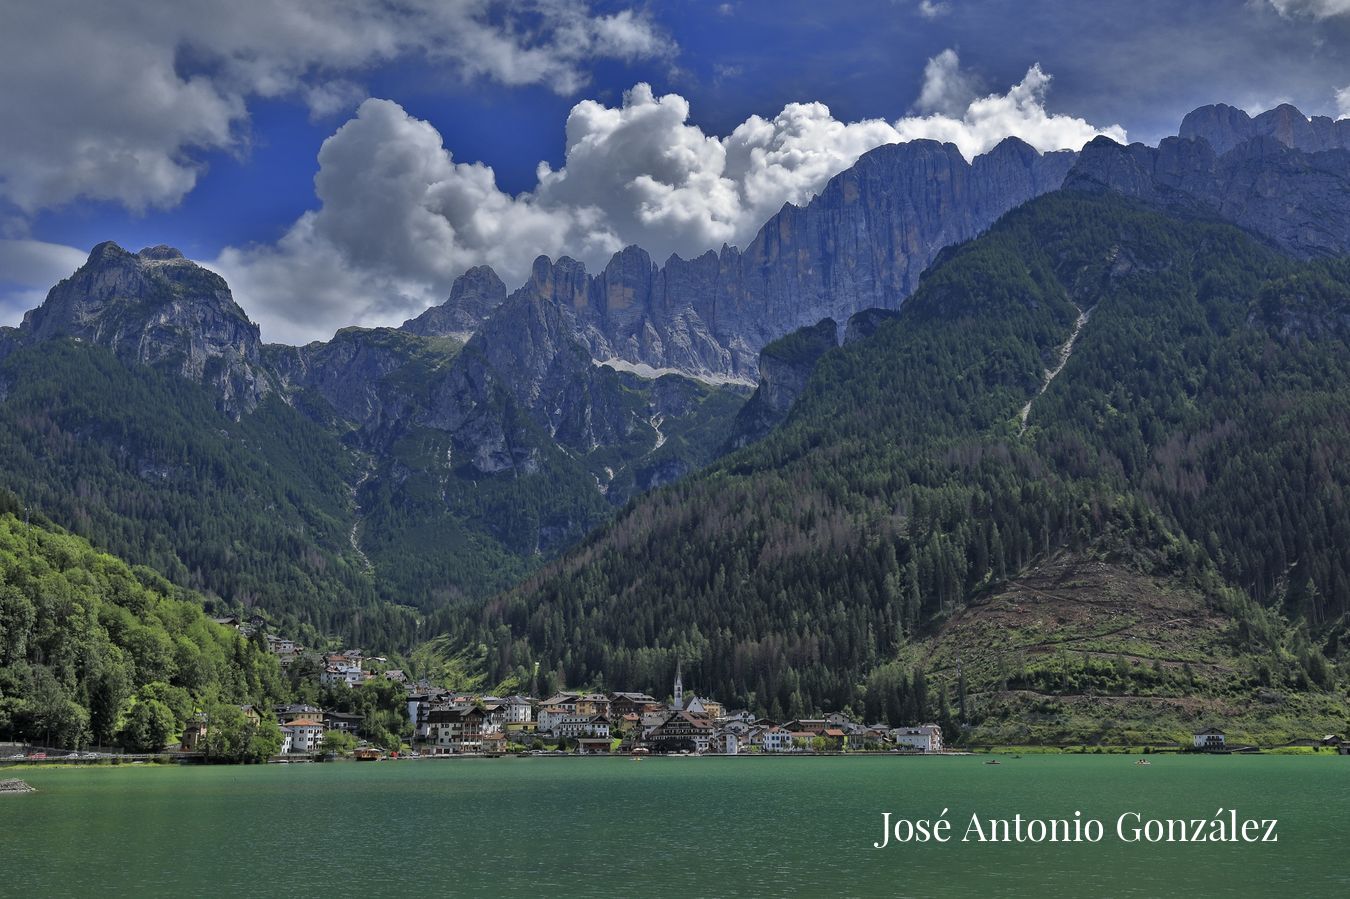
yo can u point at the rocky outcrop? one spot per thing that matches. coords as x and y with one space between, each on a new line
1298 200
862 243
157 308
784 368
473 297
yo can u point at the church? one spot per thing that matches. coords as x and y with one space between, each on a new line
694 705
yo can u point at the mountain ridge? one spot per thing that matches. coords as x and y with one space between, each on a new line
860 243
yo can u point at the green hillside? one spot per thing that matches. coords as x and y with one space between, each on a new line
93 651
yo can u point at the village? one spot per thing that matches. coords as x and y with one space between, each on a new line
449 723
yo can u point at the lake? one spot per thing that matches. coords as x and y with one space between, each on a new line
677 826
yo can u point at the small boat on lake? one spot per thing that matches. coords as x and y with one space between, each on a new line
993 762
368 755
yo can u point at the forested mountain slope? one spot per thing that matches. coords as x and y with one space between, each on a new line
1195 434
252 511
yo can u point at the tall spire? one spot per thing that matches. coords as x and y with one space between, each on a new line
679 687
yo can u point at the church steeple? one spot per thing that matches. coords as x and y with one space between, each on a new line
679 687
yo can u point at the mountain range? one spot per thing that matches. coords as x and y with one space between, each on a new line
1022 382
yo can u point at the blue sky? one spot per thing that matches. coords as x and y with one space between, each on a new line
210 138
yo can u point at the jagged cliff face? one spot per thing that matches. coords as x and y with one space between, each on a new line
862 243
524 384
522 433
1294 198
494 452
157 308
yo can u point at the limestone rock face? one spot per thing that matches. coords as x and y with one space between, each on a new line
522 382
367 375
860 244
157 308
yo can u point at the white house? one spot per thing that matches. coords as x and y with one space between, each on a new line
1209 739
562 705
342 669
725 741
777 739
519 710
924 738
305 734
595 726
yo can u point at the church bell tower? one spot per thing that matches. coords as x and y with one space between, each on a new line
679 687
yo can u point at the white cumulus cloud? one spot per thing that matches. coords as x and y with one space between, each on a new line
947 88
399 217
1343 103
1020 113
121 99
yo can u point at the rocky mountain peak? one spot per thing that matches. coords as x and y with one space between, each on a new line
161 253
156 307
473 297
860 243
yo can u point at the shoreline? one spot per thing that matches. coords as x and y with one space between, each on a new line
1010 753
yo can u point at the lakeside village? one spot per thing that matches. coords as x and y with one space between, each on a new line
449 723
356 705
434 722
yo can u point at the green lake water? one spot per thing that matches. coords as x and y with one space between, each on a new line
679 827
